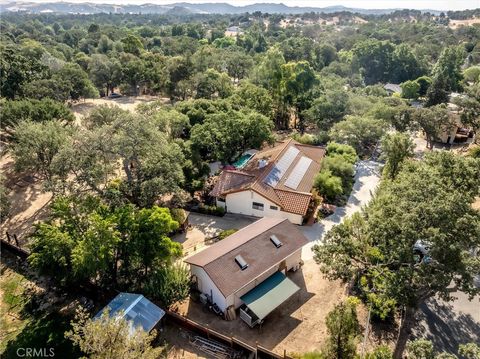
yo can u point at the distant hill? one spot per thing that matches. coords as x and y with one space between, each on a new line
181 8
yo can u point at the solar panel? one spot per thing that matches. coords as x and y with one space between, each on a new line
281 167
298 172
241 262
276 242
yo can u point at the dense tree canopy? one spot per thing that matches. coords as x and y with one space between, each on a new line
428 202
119 177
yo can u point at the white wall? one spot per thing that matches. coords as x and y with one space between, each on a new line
206 286
241 202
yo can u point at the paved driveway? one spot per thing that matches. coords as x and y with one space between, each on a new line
449 324
366 181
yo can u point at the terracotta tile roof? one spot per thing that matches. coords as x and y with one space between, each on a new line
294 200
254 245
232 180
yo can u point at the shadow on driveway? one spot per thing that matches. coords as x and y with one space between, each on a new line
449 324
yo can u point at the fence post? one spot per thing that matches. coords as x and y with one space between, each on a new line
256 349
8 237
16 240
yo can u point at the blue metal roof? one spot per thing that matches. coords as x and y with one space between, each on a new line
136 309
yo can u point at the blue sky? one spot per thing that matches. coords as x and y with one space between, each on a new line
366 4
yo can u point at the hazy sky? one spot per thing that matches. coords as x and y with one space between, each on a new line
366 4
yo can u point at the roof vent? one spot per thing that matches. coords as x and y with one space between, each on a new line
276 242
262 163
241 262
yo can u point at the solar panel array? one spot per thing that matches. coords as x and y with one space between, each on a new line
298 172
281 167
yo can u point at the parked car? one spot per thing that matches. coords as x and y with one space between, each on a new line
421 250
114 95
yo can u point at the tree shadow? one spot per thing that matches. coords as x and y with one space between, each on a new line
446 326
46 334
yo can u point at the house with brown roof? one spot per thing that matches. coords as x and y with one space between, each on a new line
248 269
276 182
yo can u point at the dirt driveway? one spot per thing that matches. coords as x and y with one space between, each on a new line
297 326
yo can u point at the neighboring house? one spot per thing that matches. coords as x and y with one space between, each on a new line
276 182
233 31
249 268
393 88
456 133
136 309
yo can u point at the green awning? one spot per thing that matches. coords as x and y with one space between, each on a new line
269 294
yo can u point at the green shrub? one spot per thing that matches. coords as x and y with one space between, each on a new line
179 215
339 167
228 232
328 185
309 139
348 152
169 284
212 210
474 152
410 89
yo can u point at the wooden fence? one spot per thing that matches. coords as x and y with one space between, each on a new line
259 351
13 246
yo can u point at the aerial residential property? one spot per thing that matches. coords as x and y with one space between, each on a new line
250 268
240 180
275 182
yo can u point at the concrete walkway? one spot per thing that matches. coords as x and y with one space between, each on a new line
366 181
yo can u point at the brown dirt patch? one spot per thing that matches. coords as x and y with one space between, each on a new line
455 24
28 202
129 103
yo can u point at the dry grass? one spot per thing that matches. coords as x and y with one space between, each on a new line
455 24
28 201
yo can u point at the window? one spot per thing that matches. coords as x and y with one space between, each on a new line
256 205
275 208
220 199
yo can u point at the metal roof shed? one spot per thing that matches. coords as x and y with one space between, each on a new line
136 309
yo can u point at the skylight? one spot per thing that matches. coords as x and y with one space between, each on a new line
241 262
276 242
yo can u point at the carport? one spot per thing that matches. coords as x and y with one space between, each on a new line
266 297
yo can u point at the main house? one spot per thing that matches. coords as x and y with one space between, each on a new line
248 268
275 182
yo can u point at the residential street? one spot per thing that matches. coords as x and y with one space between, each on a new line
448 324
366 181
